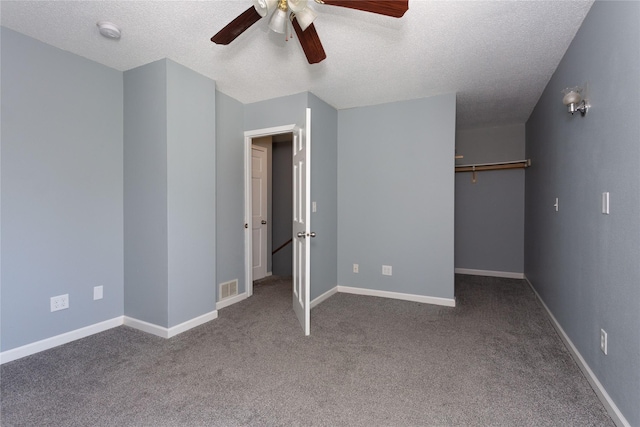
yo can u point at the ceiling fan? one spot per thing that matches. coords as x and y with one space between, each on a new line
301 17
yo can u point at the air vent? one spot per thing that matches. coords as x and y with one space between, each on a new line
228 289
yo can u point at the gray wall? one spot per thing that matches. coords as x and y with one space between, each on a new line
146 294
585 264
169 194
324 191
493 144
489 214
396 196
191 193
281 111
229 190
61 190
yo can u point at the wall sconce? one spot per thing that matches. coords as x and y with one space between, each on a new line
574 101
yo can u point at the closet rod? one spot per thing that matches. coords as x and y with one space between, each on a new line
519 164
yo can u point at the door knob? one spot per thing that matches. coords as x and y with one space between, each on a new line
301 234
312 234
263 221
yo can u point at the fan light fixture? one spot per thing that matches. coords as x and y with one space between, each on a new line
264 7
574 101
278 22
305 17
297 9
300 17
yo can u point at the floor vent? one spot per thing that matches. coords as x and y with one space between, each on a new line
228 289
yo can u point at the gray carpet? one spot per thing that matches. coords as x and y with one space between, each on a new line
492 360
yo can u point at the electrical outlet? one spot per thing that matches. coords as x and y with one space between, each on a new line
356 268
386 270
97 292
603 341
61 302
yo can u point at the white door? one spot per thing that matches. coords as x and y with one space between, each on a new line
259 211
301 220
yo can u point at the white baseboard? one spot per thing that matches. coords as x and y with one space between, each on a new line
230 301
599 389
163 332
147 327
189 324
323 297
67 337
490 273
448 302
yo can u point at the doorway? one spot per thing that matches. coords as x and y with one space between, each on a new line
301 232
269 193
272 201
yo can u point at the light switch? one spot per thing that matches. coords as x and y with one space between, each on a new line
605 203
313 206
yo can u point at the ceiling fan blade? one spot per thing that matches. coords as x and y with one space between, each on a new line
395 8
237 26
310 42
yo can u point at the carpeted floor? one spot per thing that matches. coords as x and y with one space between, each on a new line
494 360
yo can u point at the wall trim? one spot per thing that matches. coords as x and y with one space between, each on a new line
189 324
490 273
231 300
163 332
55 341
319 299
67 337
448 302
147 327
597 387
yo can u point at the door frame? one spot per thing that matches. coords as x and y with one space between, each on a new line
248 238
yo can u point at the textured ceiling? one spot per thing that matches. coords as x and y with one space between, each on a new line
497 55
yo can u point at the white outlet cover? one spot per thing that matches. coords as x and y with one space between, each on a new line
60 302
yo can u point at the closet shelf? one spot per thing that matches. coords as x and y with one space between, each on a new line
519 164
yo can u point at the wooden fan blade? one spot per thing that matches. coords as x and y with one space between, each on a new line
237 26
310 42
395 8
